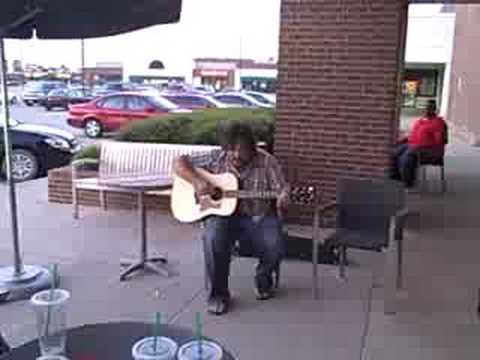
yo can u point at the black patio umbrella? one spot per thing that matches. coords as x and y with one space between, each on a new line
62 19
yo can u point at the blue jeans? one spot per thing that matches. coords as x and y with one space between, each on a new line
263 238
405 161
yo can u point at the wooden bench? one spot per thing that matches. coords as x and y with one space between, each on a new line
119 160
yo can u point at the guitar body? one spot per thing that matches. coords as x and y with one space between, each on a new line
187 208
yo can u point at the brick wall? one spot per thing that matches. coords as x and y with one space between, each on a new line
337 106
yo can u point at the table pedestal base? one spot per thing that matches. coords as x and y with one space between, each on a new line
156 265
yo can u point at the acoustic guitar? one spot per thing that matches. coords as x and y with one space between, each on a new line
187 207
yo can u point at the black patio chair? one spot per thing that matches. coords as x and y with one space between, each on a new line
370 216
426 158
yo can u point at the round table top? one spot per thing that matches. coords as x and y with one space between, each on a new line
109 341
140 183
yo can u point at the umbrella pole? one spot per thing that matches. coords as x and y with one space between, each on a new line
17 260
19 281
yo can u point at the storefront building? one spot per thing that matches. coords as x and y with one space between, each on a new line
103 72
235 74
429 49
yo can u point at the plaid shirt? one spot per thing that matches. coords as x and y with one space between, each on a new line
263 173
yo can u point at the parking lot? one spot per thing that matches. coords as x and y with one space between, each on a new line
32 159
39 116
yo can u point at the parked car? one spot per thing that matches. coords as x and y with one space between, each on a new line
100 90
110 88
267 99
37 149
240 100
203 89
64 97
15 79
111 112
196 101
81 88
36 90
12 98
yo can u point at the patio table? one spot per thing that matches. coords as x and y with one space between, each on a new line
108 341
140 185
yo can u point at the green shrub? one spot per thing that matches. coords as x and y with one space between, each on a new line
199 127
169 129
88 152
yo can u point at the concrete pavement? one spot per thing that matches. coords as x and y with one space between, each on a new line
89 251
436 314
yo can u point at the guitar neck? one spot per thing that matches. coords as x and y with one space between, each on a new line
250 194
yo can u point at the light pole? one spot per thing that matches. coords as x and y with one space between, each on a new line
83 64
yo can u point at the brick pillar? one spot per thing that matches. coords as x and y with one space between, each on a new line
339 67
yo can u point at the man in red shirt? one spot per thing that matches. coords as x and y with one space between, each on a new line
427 137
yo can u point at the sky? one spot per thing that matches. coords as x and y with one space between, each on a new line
208 28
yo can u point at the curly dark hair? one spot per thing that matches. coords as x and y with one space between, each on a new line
235 132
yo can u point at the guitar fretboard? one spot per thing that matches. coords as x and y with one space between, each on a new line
249 194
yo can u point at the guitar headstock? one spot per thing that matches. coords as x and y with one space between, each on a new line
304 194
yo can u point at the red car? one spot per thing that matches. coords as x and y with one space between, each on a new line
196 101
111 112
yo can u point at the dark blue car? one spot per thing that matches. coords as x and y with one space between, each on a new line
37 149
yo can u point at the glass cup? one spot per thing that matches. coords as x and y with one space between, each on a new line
145 349
51 311
200 350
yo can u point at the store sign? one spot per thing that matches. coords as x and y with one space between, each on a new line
216 65
212 73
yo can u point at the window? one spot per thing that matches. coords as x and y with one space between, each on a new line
260 98
76 93
162 103
57 92
46 87
113 102
195 100
33 86
233 100
114 87
426 79
261 84
179 100
136 103
448 8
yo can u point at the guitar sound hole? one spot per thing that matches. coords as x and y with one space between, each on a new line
217 194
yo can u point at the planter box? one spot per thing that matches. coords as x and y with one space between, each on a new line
60 191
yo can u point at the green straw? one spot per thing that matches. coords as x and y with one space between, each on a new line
156 331
53 275
198 328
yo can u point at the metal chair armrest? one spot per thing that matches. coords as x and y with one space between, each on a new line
398 222
326 207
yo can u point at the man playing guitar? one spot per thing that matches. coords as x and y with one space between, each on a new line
255 220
